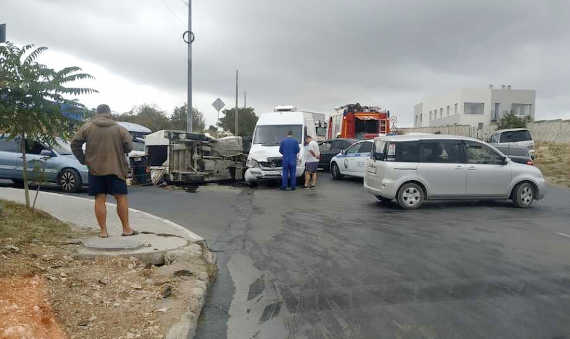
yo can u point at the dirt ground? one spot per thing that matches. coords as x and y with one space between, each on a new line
58 296
553 159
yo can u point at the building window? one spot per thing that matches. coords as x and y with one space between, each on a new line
455 112
495 112
521 109
441 113
430 116
473 108
447 110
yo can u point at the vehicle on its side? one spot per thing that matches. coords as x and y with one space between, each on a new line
352 161
518 137
137 157
330 148
57 163
413 169
264 160
358 122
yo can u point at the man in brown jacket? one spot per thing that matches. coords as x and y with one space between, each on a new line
105 156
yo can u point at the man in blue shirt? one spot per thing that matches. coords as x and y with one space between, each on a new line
289 147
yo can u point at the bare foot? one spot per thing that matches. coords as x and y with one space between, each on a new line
103 234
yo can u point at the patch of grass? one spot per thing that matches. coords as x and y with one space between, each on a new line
19 225
553 159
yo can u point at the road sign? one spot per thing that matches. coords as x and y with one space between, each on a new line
218 104
2 33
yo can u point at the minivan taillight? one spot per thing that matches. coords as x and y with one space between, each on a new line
530 162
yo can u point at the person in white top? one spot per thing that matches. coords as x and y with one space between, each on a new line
312 156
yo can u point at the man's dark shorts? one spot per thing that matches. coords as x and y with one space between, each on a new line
106 184
311 167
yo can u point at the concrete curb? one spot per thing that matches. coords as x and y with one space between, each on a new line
195 248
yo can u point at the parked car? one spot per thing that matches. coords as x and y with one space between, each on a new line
413 169
58 163
330 148
518 137
351 161
519 154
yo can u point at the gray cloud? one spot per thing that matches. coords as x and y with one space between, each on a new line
316 54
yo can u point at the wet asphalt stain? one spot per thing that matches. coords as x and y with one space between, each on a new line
256 288
271 311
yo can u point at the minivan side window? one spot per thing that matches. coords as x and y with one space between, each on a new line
477 153
440 151
406 151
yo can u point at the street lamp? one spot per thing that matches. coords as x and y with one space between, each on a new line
2 33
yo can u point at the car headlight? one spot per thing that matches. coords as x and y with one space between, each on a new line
252 163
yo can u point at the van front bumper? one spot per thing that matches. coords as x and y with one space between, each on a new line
257 174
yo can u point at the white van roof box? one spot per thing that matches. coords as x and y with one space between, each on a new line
285 108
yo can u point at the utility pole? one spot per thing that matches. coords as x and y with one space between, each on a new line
190 40
237 113
244 99
2 33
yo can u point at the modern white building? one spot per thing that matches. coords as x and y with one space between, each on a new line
474 106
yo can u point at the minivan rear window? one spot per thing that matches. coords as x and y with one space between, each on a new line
406 151
515 136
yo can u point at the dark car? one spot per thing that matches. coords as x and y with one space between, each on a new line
330 148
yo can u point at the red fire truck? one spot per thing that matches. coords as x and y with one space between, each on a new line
358 122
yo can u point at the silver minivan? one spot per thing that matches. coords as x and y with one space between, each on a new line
412 169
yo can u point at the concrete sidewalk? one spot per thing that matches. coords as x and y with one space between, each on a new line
158 235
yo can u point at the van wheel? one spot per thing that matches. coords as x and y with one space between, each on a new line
335 172
410 196
523 195
69 181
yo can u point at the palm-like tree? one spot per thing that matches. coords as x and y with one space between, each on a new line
31 96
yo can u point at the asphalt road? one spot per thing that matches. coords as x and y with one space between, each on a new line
334 263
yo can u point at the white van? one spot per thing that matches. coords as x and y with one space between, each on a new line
264 159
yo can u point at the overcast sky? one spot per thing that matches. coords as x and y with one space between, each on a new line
315 54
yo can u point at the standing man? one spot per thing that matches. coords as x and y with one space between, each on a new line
105 156
289 147
312 156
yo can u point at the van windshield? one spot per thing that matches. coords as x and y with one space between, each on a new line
271 135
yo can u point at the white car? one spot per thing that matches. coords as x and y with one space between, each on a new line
352 161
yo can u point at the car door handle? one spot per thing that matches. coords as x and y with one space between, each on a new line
459 167
472 168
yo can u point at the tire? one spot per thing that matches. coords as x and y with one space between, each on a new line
69 180
410 196
379 198
523 195
335 172
18 183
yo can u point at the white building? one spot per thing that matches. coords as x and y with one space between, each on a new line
474 106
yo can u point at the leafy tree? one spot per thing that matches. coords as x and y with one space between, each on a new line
179 116
247 121
32 96
147 115
510 120
213 131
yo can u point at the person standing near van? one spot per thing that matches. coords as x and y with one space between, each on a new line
289 148
107 144
312 156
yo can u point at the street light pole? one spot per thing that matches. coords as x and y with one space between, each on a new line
237 113
189 100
